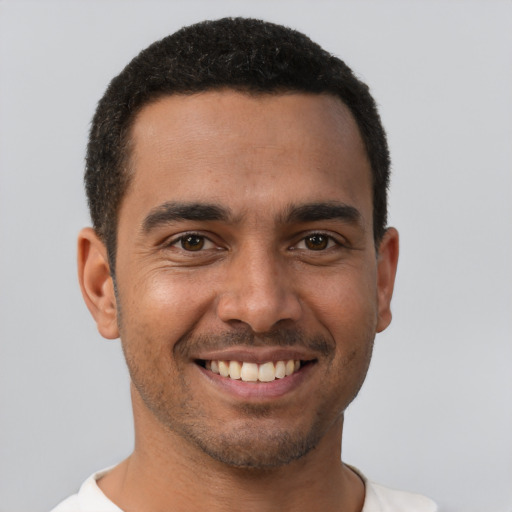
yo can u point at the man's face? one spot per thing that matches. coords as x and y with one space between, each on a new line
245 238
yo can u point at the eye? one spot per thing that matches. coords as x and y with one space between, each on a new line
193 242
316 242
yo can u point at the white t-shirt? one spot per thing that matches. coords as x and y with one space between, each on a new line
378 498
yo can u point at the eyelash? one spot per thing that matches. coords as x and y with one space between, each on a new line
329 239
204 239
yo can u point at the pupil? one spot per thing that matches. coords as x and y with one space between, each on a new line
192 243
316 242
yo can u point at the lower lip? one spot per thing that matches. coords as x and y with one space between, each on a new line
259 390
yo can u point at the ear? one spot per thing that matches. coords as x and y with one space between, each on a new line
387 261
96 282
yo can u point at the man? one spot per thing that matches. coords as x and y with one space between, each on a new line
236 177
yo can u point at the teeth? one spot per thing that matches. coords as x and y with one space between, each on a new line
252 372
280 369
249 372
235 369
266 372
224 368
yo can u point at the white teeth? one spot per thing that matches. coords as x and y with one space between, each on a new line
235 368
249 372
267 372
224 368
280 369
253 372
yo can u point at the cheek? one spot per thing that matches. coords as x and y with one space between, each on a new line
156 311
345 303
165 302
346 306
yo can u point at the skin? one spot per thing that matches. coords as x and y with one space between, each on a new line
259 288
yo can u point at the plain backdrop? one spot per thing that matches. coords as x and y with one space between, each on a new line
435 414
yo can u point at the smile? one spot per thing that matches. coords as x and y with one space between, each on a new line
253 372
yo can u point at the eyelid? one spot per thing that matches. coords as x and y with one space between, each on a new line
336 239
175 239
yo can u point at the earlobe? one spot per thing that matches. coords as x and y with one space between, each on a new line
96 282
387 261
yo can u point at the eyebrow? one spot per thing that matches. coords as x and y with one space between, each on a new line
312 212
176 211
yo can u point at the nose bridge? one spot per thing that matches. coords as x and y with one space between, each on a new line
257 290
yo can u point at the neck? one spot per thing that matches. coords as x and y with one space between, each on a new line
167 473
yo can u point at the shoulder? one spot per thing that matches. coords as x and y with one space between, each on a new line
68 505
379 498
383 499
89 498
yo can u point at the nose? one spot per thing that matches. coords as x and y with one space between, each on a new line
258 291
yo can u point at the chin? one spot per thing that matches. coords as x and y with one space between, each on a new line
254 446
268 453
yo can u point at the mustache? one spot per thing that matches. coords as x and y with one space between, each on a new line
191 342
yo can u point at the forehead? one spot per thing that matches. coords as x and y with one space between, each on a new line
255 119
239 148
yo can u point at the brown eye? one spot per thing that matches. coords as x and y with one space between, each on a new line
192 242
316 242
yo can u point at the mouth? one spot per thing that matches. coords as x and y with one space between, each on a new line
246 371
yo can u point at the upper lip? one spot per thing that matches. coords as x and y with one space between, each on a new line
257 355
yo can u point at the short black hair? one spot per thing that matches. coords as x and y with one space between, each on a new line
242 54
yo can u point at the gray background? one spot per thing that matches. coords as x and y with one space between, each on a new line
435 414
